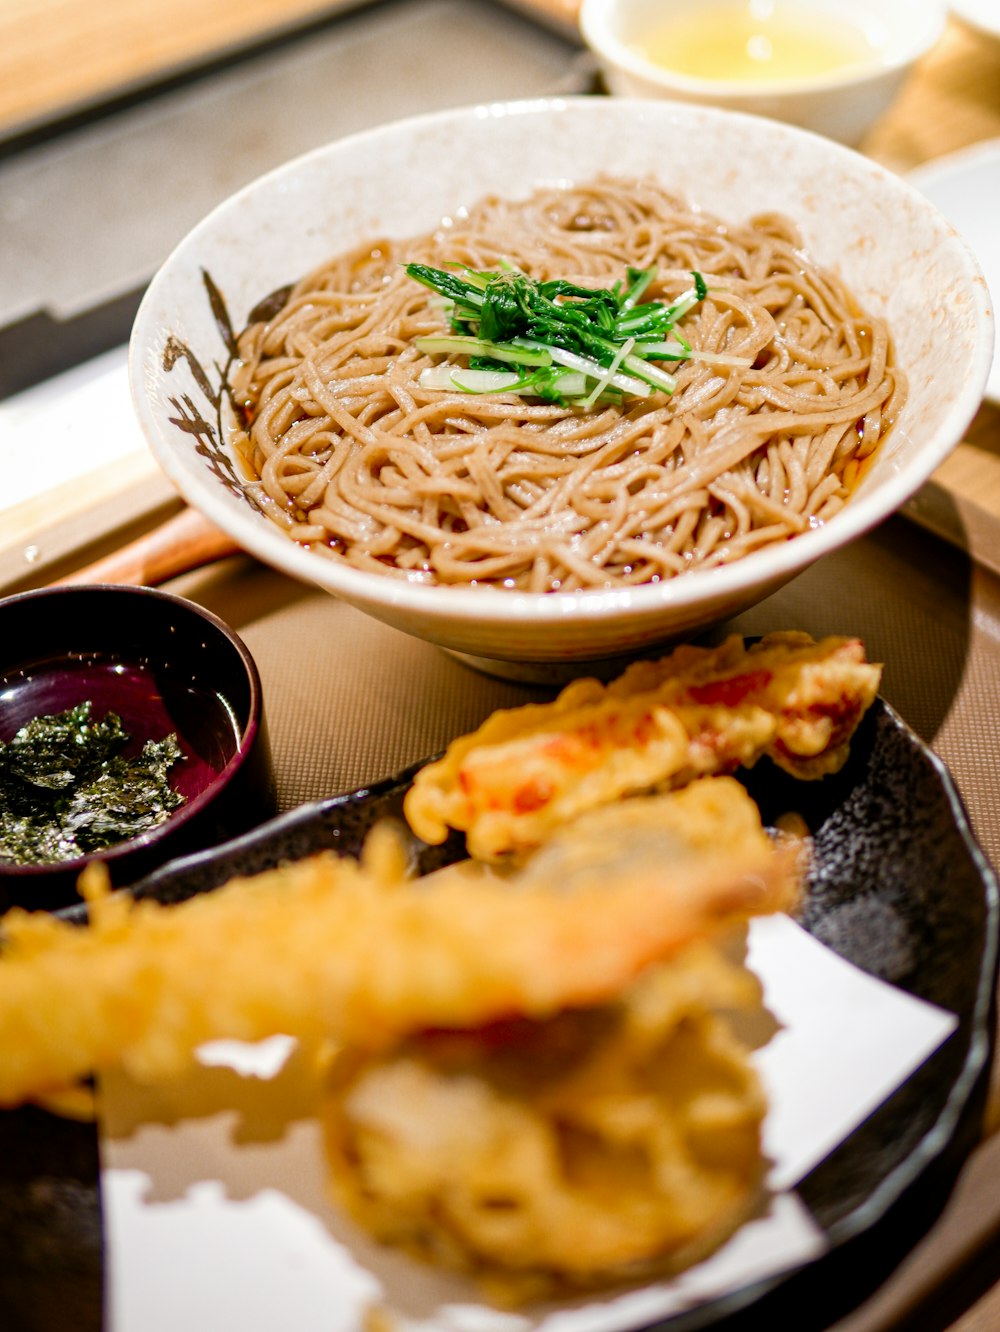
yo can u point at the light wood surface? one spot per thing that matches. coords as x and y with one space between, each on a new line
952 99
41 536
79 51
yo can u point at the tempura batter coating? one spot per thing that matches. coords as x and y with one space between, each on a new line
332 948
699 711
543 1156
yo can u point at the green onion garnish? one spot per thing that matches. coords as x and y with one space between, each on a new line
556 340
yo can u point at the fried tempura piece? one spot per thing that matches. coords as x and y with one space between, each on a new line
330 948
543 1156
699 711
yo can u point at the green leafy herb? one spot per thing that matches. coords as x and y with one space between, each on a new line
555 340
66 787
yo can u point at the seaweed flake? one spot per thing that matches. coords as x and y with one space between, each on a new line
67 789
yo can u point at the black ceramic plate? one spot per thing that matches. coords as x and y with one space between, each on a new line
898 886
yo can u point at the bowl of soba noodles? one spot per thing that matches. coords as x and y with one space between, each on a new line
559 381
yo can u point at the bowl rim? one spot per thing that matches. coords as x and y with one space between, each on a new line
599 35
246 738
493 607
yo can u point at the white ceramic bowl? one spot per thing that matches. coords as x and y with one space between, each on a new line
898 254
841 104
965 185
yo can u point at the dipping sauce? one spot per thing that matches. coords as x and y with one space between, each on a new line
194 734
756 41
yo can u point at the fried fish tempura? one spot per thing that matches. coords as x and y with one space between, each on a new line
700 711
546 1156
331 948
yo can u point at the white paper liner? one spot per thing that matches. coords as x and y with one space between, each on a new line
219 1218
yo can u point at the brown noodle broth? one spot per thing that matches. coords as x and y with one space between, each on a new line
358 462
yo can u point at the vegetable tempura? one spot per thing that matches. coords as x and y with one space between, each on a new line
546 1156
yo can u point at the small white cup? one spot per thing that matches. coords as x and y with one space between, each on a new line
842 104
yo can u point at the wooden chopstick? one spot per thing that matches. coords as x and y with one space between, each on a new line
184 542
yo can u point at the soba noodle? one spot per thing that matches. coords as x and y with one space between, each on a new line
356 460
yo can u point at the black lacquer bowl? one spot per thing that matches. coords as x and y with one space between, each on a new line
898 886
164 665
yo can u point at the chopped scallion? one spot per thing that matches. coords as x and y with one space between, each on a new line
555 340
